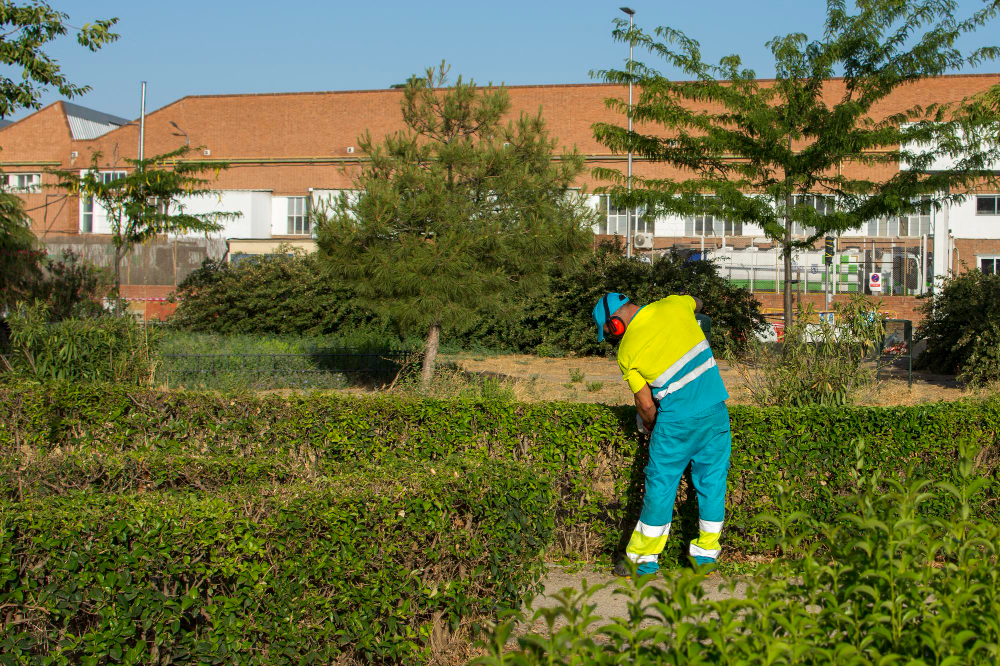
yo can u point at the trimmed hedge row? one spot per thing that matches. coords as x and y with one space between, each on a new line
366 566
66 436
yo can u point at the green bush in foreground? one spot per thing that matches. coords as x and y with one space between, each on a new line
59 437
885 586
365 566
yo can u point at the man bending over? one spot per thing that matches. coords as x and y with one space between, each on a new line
680 399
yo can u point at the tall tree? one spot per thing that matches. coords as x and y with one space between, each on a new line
758 146
25 29
147 198
456 212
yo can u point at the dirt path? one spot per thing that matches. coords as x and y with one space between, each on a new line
609 603
593 379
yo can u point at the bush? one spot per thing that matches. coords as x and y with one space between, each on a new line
818 363
105 348
282 295
883 586
73 286
961 323
272 295
375 565
54 438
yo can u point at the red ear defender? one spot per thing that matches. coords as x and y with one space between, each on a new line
616 327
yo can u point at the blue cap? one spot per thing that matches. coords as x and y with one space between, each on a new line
605 308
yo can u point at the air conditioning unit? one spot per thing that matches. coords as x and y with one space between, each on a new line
350 149
206 152
643 241
73 155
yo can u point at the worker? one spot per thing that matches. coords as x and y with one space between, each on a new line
680 402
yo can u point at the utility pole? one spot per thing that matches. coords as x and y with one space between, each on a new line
629 213
142 119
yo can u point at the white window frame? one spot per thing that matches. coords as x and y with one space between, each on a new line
23 183
298 216
996 203
894 226
614 220
706 225
995 258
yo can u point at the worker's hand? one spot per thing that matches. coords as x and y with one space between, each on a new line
640 425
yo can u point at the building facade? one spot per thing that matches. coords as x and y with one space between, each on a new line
290 152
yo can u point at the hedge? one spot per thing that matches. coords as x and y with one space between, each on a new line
61 437
365 566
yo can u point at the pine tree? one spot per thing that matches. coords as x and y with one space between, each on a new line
756 146
457 212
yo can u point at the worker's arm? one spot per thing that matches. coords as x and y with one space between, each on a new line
646 407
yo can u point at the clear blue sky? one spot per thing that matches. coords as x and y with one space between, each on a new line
188 47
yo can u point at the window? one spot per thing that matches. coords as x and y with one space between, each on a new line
87 215
705 224
987 204
108 176
24 183
915 224
824 206
614 219
298 216
989 265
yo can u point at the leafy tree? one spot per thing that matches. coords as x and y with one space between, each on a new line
26 28
146 200
455 212
755 145
72 286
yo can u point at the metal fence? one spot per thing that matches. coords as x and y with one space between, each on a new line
321 369
902 264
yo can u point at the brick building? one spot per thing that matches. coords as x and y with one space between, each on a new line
289 151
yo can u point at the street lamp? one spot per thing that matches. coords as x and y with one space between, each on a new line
628 213
187 141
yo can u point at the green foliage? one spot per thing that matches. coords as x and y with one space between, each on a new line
102 348
277 295
281 295
19 255
370 565
72 286
575 375
961 323
145 200
27 28
457 212
754 145
74 435
562 318
884 585
819 363
594 386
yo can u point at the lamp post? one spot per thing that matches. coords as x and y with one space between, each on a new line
628 212
187 141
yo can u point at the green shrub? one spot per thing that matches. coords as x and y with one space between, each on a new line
103 348
818 363
961 323
73 286
281 295
273 295
71 435
883 586
367 566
